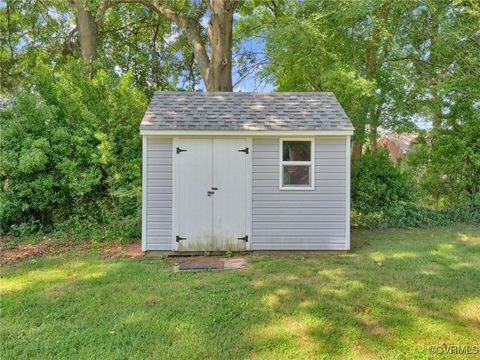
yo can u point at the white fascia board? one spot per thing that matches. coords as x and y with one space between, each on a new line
252 133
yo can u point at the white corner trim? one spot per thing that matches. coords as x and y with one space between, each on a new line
347 195
144 191
250 133
310 163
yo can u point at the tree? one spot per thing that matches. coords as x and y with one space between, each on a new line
129 38
135 39
210 45
216 67
67 149
449 163
28 27
440 53
344 47
86 29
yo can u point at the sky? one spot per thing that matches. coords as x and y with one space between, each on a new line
252 82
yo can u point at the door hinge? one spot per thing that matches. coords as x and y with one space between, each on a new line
179 238
244 150
245 238
180 150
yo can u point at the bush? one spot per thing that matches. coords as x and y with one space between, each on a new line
449 163
383 194
377 184
409 215
71 150
118 229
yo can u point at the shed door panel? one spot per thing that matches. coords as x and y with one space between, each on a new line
229 201
215 221
193 177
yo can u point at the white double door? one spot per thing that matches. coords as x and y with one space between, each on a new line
211 194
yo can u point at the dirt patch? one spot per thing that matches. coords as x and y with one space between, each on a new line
118 251
48 247
44 248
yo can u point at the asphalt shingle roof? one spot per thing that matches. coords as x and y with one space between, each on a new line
245 111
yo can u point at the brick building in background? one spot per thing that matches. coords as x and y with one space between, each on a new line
397 144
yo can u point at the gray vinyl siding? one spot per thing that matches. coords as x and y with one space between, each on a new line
299 220
281 219
159 194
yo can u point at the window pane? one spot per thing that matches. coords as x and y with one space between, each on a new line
296 175
296 151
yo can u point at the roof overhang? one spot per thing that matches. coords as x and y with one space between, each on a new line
252 133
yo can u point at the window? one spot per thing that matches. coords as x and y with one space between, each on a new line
296 164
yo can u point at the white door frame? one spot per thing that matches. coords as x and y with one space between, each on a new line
248 195
248 201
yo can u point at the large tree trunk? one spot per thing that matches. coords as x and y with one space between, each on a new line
374 123
357 144
216 67
357 149
435 104
87 30
372 67
373 139
220 34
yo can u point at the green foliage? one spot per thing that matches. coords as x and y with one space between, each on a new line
449 163
131 38
383 194
112 227
378 184
148 47
71 150
407 215
348 48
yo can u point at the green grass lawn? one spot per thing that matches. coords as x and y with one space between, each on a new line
394 295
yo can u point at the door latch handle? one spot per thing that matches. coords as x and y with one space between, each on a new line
214 188
210 193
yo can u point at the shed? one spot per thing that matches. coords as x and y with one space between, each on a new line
245 171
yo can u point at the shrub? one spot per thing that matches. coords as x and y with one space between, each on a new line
70 149
449 163
377 184
410 215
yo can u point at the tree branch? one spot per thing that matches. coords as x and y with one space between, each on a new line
67 44
190 23
102 9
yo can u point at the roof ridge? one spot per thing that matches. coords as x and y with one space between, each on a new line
243 92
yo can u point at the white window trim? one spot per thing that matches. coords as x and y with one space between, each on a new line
310 163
